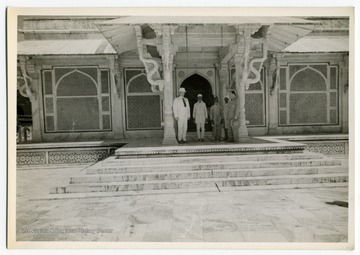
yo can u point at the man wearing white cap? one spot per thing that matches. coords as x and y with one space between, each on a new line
200 115
181 108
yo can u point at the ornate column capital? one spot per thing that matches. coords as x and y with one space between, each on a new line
161 29
167 50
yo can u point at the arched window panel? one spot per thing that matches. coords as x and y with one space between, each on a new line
91 71
308 94
105 81
79 114
323 69
308 108
131 73
255 107
333 77
143 106
48 83
49 105
60 72
76 84
144 112
308 80
283 78
295 68
77 99
139 84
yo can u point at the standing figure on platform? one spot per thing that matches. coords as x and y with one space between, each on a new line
200 116
231 114
216 119
181 108
226 121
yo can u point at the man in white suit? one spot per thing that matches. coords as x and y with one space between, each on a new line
200 115
181 108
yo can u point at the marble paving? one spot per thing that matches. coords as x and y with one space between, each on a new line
293 215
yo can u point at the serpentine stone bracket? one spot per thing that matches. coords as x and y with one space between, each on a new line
24 82
151 65
260 60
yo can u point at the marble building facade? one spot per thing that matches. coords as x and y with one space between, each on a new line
98 78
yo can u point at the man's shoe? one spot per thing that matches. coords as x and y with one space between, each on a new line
181 141
184 141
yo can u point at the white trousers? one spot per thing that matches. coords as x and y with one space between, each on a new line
182 129
200 129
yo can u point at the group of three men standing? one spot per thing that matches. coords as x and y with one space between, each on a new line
218 116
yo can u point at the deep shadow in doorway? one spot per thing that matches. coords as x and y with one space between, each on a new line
194 85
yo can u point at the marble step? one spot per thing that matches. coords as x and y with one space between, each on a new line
64 196
208 159
212 166
203 174
202 183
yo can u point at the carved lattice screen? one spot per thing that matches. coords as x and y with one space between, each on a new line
308 94
143 107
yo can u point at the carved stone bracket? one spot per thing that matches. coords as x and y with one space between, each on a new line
260 60
276 74
151 65
24 82
167 50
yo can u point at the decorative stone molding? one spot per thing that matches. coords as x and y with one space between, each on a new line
328 148
44 154
31 158
215 149
66 157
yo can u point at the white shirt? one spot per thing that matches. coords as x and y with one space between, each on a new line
181 111
200 112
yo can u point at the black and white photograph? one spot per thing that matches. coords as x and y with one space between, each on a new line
214 130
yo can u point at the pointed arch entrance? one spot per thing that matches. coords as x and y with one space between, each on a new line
194 85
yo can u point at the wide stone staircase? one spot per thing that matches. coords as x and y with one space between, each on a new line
183 173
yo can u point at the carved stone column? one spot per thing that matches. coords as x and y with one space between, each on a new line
273 85
167 51
344 93
28 84
241 60
224 81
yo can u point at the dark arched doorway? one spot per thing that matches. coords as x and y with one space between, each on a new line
194 85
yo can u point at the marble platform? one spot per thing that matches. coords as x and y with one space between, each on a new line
146 148
270 215
206 171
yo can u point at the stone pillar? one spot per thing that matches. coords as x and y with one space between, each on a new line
344 89
116 78
30 73
224 81
167 52
272 87
35 109
241 74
